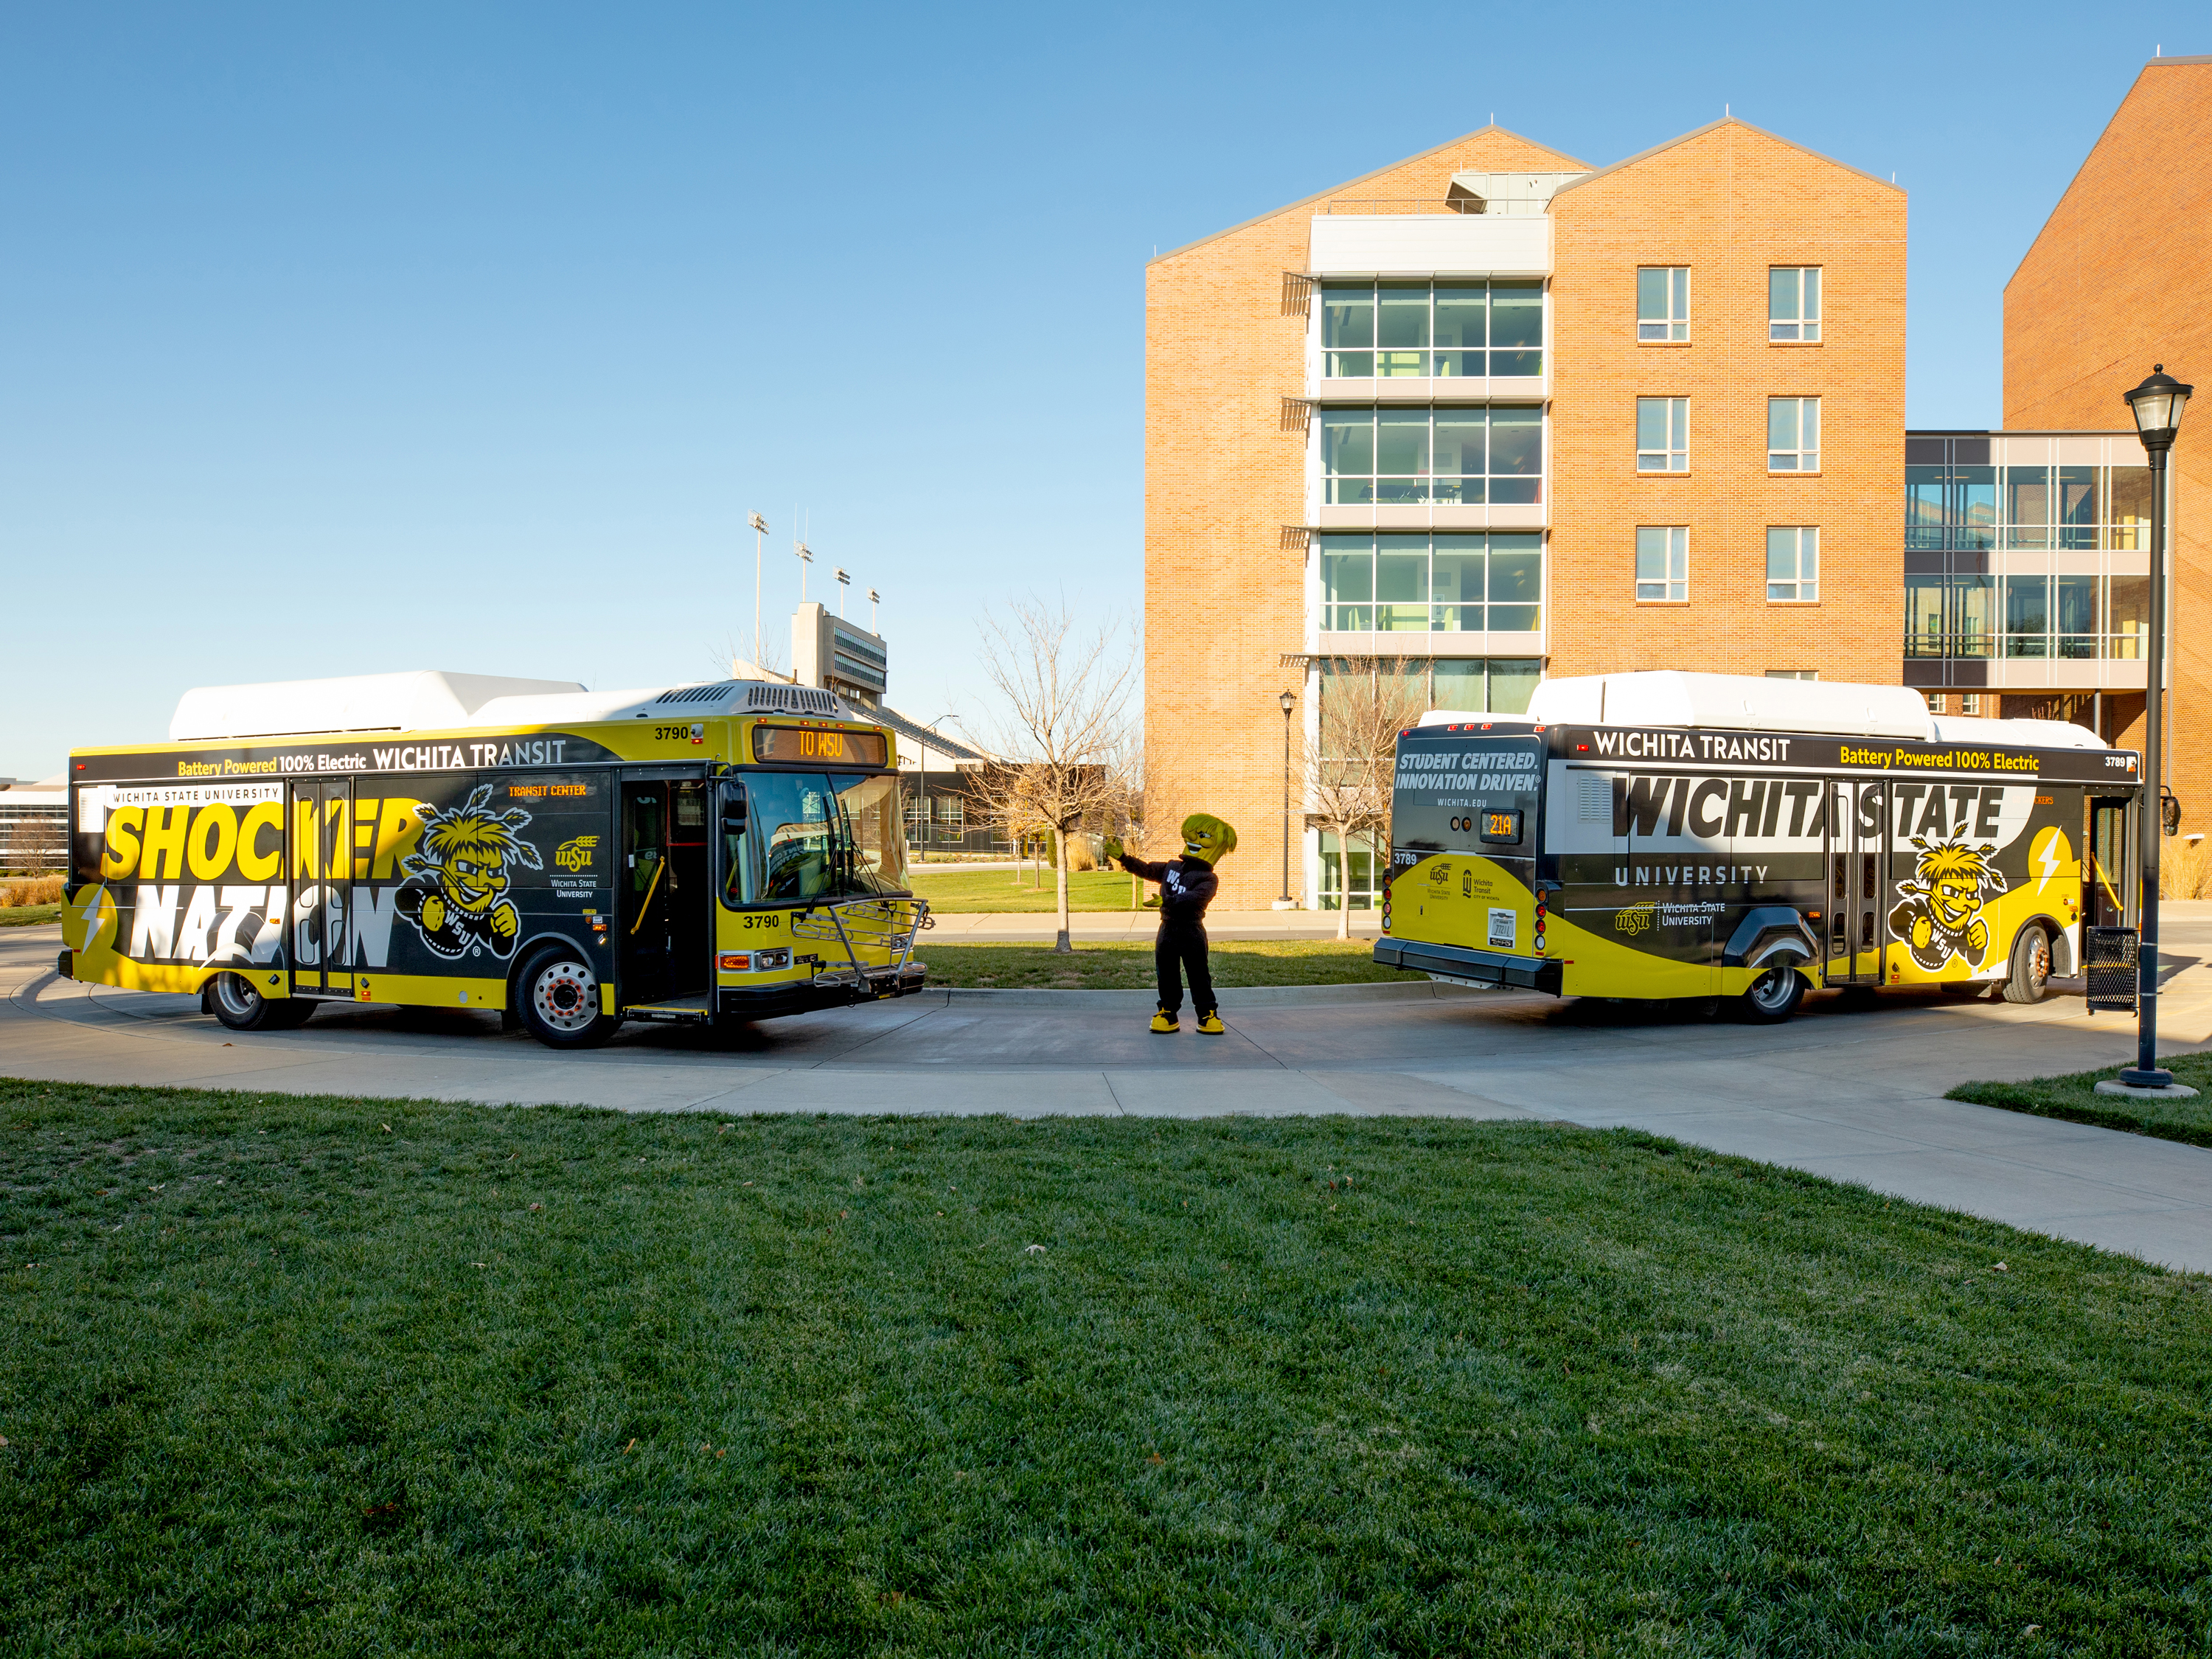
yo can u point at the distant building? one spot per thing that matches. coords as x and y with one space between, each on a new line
2118 279
1495 414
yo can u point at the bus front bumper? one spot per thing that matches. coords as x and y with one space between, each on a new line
824 991
1472 967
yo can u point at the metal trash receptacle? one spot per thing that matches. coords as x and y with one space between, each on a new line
2109 965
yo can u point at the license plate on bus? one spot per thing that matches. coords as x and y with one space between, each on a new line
1503 925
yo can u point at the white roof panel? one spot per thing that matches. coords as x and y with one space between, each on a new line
423 700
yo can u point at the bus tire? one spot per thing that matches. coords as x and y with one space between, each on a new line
1774 995
557 996
2031 966
234 1000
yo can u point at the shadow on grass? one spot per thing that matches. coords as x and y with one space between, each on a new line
2075 1098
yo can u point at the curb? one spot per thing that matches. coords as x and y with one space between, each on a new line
1233 1000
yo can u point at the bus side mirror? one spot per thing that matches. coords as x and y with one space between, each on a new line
2169 814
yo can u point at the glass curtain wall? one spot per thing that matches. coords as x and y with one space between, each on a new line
1454 457
1451 584
1440 330
1987 543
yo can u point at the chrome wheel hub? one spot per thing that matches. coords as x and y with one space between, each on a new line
238 998
566 995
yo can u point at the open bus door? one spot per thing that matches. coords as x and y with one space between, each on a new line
664 953
1857 821
2108 878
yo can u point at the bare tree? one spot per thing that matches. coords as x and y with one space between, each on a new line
1064 722
1366 701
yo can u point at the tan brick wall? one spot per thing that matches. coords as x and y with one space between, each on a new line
1728 203
2120 278
1224 598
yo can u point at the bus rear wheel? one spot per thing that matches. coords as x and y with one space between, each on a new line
560 1001
234 1000
2031 966
1774 995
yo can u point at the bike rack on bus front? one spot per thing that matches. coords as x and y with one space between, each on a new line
886 924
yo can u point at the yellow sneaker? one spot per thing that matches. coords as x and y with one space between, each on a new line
1209 1026
1164 1021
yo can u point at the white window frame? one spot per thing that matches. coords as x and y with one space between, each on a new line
1675 456
1673 328
1673 585
1804 328
1798 587
1804 456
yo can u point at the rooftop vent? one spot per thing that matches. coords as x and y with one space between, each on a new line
1524 195
760 697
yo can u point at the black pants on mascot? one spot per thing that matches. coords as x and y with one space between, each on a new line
1182 949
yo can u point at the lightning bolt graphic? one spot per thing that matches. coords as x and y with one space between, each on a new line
2050 863
91 915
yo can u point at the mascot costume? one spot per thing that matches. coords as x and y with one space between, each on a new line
1187 887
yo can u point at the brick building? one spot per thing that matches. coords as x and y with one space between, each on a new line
2119 279
1495 413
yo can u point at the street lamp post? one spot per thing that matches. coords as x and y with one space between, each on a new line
2156 405
923 812
1286 702
760 529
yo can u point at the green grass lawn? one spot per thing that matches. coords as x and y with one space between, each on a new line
1115 966
349 1378
965 892
2074 1098
28 915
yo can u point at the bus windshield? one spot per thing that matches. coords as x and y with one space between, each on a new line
802 835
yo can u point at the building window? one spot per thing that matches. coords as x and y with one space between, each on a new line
1793 563
1422 583
1793 304
1452 457
1662 563
1467 685
1793 434
1662 434
1440 330
1360 868
1662 302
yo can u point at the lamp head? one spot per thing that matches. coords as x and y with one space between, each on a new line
1286 701
757 523
2157 404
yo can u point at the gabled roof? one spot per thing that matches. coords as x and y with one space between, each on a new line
1350 184
1709 126
2107 132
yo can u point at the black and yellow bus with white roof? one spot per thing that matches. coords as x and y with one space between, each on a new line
726 852
1668 834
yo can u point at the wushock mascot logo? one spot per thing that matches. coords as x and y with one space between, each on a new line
1941 916
457 897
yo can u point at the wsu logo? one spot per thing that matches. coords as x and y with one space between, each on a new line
577 854
1635 918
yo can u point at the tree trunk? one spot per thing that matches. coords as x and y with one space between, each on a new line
1343 880
1059 868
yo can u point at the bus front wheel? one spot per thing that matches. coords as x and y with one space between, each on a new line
232 998
2031 966
560 998
1774 995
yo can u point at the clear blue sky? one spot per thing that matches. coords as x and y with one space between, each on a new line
344 340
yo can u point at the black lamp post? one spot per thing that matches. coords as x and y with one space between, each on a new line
2157 404
1287 703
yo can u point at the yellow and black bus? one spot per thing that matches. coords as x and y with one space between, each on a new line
727 852
1659 836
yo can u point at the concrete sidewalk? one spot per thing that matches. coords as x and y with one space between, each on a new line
1853 1094
1099 927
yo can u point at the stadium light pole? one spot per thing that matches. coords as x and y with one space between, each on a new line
804 555
844 581
2156 405
760 529
1286 702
